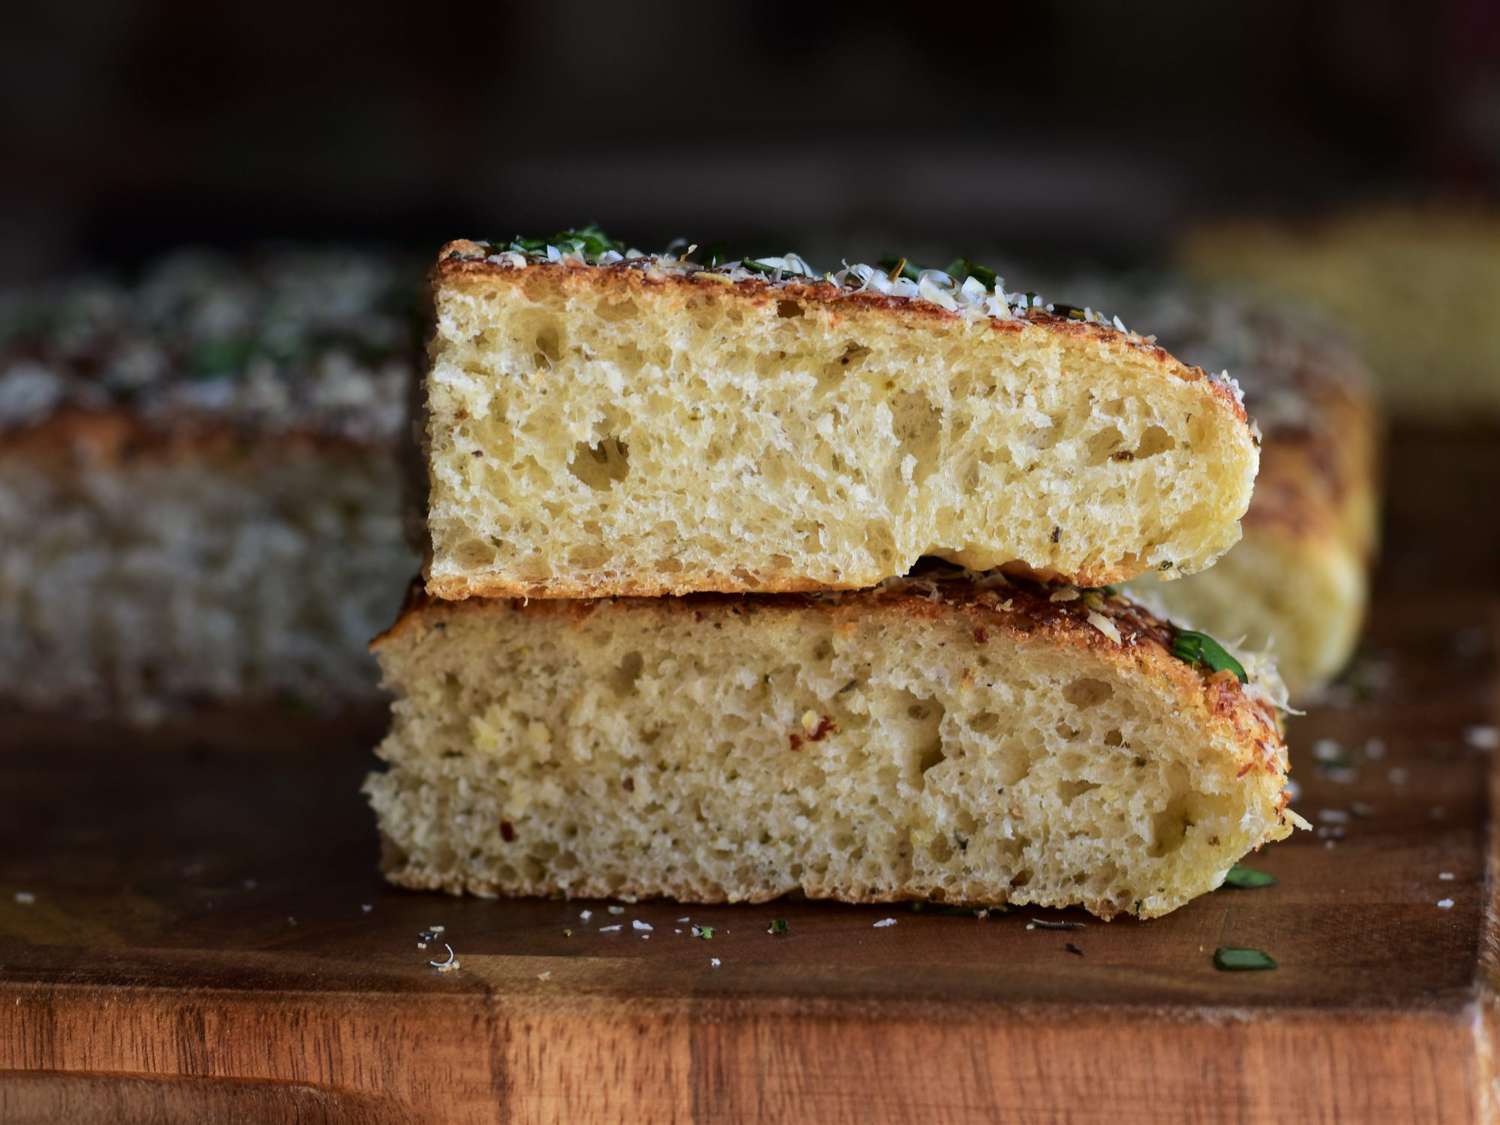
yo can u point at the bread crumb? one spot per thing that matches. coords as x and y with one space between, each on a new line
1483 737
637 924
1445 876
1445 904
25 898
715 962
884 922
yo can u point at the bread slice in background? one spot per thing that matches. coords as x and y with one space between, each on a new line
646 426
941 739
1297 584
1415 287
199 495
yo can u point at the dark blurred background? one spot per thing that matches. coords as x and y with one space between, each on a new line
1083 128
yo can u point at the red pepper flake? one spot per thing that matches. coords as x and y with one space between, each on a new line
507 831
1246 768
825 727
795 740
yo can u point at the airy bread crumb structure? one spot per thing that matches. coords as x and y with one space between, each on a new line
649 426
961 741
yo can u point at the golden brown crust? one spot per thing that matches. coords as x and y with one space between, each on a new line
1319 478
456 267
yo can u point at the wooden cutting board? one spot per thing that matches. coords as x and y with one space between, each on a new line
209 941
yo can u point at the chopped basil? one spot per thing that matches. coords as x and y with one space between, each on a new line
588 240
1200 648
704 932
1233 959
1247 877
961 269
777 926
220 357
1072 312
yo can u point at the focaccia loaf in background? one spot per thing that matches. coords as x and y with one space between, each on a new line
604 424
973 742
1415 288
1297 584
199 499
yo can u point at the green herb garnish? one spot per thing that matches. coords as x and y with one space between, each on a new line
777 926
962 269
1246 878
589 241
899 267
1232 959
1200 648
220 357
704 933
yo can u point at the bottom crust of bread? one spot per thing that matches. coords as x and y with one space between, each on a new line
946 741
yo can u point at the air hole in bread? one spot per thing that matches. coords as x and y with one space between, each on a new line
919 430
475 552
1069 791
1155 440
601 464
1104 444
986 722
1086 692
788 309
1170 826
626 673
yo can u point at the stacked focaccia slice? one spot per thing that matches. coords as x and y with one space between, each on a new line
637 428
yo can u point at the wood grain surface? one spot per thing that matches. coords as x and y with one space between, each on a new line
208 938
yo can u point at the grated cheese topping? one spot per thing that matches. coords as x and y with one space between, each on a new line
968 297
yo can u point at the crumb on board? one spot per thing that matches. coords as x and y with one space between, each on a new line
715 962
616 928
25 898
637 924
1483 737
884 922
616 909
1445 904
